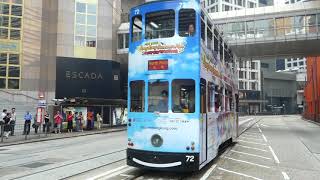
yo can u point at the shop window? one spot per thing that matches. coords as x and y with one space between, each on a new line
183 96
80 41
158 96
187 21
91 42
160 24
137 96
136 28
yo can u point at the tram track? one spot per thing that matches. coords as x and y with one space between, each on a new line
75 163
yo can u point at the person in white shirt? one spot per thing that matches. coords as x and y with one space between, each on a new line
13 120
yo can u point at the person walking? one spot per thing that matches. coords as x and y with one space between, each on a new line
13 120
58 120
27 123
99 121
7 127
89 120
70 122
3 115
81 121
46 125
35 125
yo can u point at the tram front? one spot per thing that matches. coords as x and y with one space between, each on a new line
164 86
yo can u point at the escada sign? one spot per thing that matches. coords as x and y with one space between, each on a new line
74 75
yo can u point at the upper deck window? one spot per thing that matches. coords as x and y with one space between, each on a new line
187 21
136 28
160 24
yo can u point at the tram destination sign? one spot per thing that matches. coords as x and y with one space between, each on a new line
154 65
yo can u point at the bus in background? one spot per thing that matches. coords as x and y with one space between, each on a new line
182 87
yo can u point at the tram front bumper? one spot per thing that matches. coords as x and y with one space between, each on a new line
163 161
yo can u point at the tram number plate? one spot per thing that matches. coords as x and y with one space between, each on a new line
189 158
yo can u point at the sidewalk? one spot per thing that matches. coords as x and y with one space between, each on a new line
15 140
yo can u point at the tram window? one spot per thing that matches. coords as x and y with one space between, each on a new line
211 97
158 96
209 35
203 97
183 96
160 24
187 21
137 96
216 41
231 103
218 99
237 103
203 31
136 28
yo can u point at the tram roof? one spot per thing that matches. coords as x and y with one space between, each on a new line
151 2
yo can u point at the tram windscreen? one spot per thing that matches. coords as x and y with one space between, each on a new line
187 20
183 96
160 24
158 96
137 96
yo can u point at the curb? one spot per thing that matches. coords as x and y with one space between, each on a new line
310 121
62 137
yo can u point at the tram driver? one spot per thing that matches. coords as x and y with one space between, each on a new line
163 103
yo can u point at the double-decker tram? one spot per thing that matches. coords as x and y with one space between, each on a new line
182 87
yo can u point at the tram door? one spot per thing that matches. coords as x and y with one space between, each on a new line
203 120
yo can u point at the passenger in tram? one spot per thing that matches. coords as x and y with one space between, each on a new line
163 103
190 31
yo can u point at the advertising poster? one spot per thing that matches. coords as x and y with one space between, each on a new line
119 116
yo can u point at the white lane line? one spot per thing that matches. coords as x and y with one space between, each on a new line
249 135
252 142
259 130
285 176
207 174
244 121
252 133
108 172
258 149
250 138
264 137
241 174
239 152
247 162
274 155
264 125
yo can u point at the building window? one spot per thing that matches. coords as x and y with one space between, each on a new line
301 63
10 19
253 76
241 85
123 41
86 24
9 71
289 65
295 64
253 86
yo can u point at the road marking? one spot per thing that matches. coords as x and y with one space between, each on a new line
251 138
285 176
252 148
241 174
244 121
207 174
250 135
265 139
126 175
251 142
247 162
108 172
274 155
264 125
259 129
250 154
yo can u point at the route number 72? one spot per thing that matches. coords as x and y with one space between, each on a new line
190 159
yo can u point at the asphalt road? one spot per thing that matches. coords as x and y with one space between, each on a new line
275 147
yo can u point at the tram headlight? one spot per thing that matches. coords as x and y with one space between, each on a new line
156 140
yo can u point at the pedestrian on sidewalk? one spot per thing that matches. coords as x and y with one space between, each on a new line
13 120
70 122
58 120
7 127
81 121
35 125
46 125
27 123
99 120
89 119
3 115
